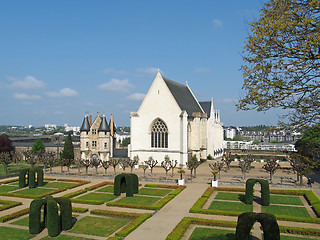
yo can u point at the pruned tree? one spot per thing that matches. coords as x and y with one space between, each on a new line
95 161
144 167
227 159
86 163
114 162
192 165
68 162
151 163
244 166
281 58
124 163
17 157
271 167
173 164
105 165
78 162
301 165
216 168
5 159
50 158
133 162
166 164
31 157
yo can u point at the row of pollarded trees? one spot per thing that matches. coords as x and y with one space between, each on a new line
300 165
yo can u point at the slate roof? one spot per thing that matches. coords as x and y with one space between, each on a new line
104 126
183 96
85 125
206 106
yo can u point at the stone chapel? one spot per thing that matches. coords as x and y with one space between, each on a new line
171 121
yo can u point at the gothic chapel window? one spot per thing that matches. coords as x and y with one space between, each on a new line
159 134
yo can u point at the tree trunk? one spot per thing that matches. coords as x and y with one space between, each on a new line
96 170
195 173
172 172
301 180
68 169
5 166
151 171
271 177
114 168
243 175
87 170
50 169
61 168
297 176
105 172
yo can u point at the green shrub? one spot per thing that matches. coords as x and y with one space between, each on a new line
14 215
35 216
126 182
74 194
32 178
79 210
8 204
300 231
52 218
22 177
65 212
267 220
265 192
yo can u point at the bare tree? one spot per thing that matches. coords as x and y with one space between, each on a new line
151 163
271 167
133 162
114 162
166 164
124 163
51 158
105 165
216 168
227 159
173 164
301 165
144 167
68 163
192 165
86 163
95 161
31 157
17 157
78 162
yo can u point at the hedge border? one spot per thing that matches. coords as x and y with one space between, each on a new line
9 181
300 231
98 185
185 223
137 220
14 215
8 204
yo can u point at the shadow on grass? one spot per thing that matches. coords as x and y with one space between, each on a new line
228 236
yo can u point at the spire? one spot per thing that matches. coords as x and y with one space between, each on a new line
104 127
85 127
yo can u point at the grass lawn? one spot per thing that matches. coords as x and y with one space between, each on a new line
154 192
230 206
230 196
138 200
34 191
98 226
25 221
106 189
288 200
59 184
295 238
200 233
16 183
286 210
14 234
7 188
98 196
65 237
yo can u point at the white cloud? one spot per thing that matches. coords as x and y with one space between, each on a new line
114 71
202 70
116 85
23 96
136 97
64 92
28 83
217 22
150 70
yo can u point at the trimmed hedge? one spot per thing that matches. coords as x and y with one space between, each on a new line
267 220
65 212
8 204
265 192
79 210
13 194
10 181
300 231
87 201
35 225
184 224
22 178
126 182
14 215
98 185
138 219
52 218
76 193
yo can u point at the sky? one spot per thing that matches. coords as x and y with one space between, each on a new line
61 59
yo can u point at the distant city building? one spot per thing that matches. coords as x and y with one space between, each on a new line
122 136
75 130
276 136
50 126
231 132
97 137
171 121
248 145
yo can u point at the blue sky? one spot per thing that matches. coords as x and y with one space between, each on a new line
61 59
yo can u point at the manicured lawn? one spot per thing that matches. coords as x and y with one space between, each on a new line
14 234
295 238
59 184
286 210
106 189
14 183
287 200
98 226
7 188
154 192
230 206
230 196
65 237
200 233
34 191
98 196
138 200
25 221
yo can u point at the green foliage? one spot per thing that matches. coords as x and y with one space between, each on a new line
68 150
52 217
267 220
126 182
14 215
38 146
281 58
35 225
22 178
125 142
65 212
300 231
265 192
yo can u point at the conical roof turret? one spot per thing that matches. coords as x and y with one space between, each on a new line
85 127
104 127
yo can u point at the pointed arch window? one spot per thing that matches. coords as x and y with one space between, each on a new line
159 134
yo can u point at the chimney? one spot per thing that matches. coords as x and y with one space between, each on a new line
90 119
111 125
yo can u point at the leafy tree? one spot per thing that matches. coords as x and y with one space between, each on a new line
5 160
281 58
301 165
5 143
125 142
151 163
38 146
68 151
309 144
